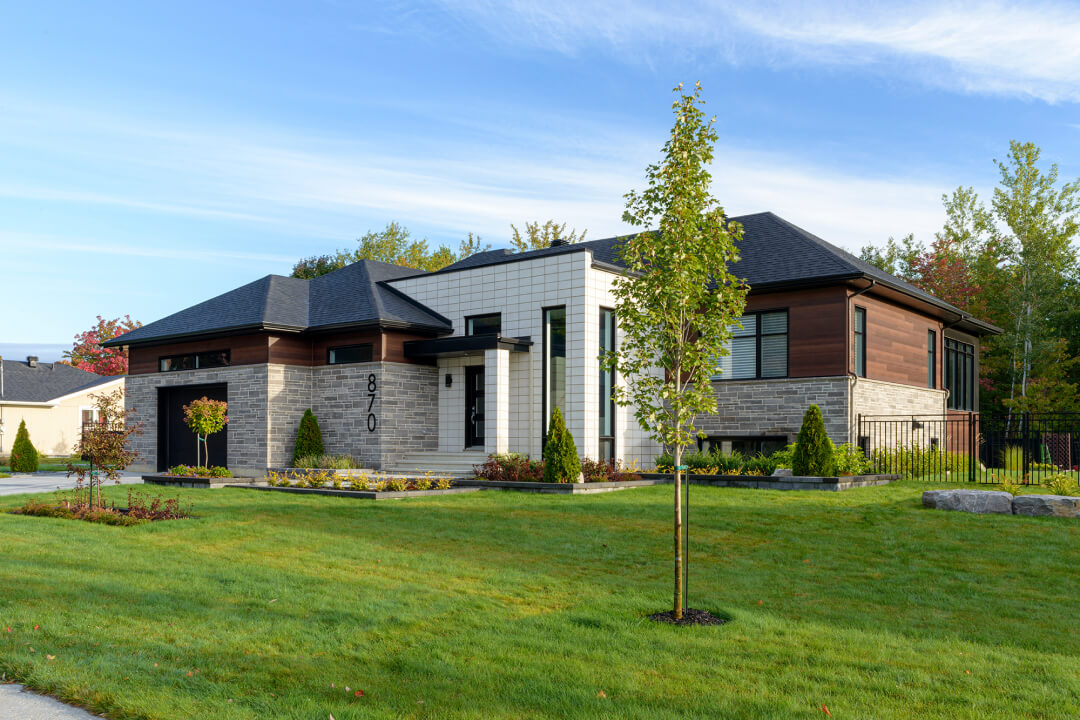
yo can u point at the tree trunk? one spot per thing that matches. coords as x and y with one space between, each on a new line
678 609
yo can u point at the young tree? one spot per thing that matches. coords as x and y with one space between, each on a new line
105 443
24 456
677 301
395 245
205 417
87 354
537 236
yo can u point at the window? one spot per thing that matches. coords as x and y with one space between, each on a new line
759 349
860 341
607 384
194 361
931 358
960 374
747 445
349 354
554 363
484 324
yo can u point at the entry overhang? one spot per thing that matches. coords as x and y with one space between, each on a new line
460 345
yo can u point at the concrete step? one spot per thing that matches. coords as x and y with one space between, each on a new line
460 464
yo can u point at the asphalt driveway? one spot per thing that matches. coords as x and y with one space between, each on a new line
49 481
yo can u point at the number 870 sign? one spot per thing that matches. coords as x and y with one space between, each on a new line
372 386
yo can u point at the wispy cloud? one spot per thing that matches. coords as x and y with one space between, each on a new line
1029 49
102 247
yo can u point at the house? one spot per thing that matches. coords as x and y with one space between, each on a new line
406 368
53 398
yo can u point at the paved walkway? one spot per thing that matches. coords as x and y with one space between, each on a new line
18 703
49 481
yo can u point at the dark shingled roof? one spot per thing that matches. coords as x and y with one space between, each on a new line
773 252
351 296
45 382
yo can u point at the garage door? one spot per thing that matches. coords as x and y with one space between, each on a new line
176 443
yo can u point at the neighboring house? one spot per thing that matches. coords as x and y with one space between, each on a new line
405 368
54 399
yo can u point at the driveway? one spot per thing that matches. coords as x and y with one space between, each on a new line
49 481
18 703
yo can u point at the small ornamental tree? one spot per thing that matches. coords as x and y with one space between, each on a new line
308 438
677 300
24 457
105 443
813 449
561 462
205 417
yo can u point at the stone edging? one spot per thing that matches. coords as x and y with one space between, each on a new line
363 494
184 481
1002 503
559 488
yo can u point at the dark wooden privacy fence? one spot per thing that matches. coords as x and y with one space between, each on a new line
974 447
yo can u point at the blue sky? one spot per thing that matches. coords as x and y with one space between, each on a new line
154 155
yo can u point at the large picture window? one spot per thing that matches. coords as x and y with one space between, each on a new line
607 384
758 349
860 341
960 374
194 361
554 363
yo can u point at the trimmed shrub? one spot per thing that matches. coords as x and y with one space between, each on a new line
561 463
510 467
813 454
308 438
24 458
849 459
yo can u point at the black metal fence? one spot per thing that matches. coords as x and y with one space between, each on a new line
973 447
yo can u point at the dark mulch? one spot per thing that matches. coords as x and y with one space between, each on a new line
691 616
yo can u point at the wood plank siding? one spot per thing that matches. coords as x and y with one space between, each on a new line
816 328
896 342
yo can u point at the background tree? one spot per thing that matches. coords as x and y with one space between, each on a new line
678 300
87 353
24 456
395 245
105 443
537 236
205 417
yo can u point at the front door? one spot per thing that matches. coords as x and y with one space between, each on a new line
474 406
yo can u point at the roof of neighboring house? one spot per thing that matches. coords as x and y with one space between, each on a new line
47 381
773 252
353 296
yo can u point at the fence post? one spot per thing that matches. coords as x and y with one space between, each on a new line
1025 442
971 446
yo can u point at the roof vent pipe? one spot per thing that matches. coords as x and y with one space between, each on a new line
559 242
31 360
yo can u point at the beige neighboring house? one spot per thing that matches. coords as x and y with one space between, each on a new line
54 400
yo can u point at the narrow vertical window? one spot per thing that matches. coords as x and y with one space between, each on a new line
554 363
931 358
607 383
860 341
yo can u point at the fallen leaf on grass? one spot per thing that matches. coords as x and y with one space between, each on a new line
760 602
189 673
273 601
601 694
358 693
9 629
36 627
49 657
825 710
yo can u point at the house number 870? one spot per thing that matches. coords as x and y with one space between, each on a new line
372 422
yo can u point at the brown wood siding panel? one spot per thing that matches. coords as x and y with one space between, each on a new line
321 344
896 339
291 350
815 328
243 350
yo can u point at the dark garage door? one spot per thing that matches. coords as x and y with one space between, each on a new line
176 443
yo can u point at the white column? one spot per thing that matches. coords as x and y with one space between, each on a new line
496 401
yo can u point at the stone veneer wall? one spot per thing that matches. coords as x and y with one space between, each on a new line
776 407
875 397
247 433
266 403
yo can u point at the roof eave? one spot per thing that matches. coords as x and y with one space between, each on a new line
216 332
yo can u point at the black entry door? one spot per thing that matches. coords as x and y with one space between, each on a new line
176 443
474 406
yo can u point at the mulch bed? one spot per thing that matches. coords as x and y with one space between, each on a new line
692 616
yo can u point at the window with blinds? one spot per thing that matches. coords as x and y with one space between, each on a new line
757 349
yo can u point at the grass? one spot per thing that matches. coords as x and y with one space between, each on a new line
51 465
508 605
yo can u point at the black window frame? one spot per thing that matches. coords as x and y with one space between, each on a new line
610 373
194 357
931 358
758 335
960 374
860 339
470 318
331 350
545 390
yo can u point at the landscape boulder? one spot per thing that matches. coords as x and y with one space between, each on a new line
972 501
1056 505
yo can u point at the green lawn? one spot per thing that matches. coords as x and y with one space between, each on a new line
508 605
50 465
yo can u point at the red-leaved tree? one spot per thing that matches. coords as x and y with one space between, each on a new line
87 354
